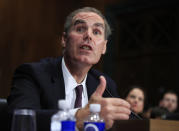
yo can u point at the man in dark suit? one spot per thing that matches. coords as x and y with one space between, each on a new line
40 85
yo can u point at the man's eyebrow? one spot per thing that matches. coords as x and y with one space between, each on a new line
99 25
79 21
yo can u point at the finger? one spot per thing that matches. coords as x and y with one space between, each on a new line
122 110
112 110
120 116
117 102
101 87
115 116
109 123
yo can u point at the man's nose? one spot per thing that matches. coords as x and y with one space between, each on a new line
87 35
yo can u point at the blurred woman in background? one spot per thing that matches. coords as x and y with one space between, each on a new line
136 97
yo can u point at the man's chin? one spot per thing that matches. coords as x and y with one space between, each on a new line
87 61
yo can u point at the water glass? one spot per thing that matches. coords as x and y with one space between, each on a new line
24 120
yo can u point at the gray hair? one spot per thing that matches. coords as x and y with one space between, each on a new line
69 18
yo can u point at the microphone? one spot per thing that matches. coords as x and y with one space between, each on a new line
133 115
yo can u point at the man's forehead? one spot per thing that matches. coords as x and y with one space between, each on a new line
170 95
85 17
79 21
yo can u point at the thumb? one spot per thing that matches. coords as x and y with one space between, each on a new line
101 87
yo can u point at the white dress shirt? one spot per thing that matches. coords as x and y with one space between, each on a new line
70 84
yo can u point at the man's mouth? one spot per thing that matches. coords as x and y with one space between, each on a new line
86 47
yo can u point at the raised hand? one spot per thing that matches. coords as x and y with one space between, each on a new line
111 108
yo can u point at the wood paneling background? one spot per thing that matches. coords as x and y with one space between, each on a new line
144 46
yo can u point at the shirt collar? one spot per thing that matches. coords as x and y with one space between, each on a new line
70 82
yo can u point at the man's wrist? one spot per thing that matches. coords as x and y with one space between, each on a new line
80 116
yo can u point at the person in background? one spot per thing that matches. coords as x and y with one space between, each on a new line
136 97
71 77
169 101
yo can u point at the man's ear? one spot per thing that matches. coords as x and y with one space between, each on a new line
104 48
64 39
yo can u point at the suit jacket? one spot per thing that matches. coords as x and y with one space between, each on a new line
40 85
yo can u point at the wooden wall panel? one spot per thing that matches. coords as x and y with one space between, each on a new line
143 49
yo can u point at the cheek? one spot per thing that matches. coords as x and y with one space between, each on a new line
100 47
98 41
141 105
72 41
129 100
74 38
174 105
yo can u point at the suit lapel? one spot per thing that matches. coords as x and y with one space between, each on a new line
58 81
91 84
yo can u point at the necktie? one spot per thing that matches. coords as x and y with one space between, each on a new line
78 100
